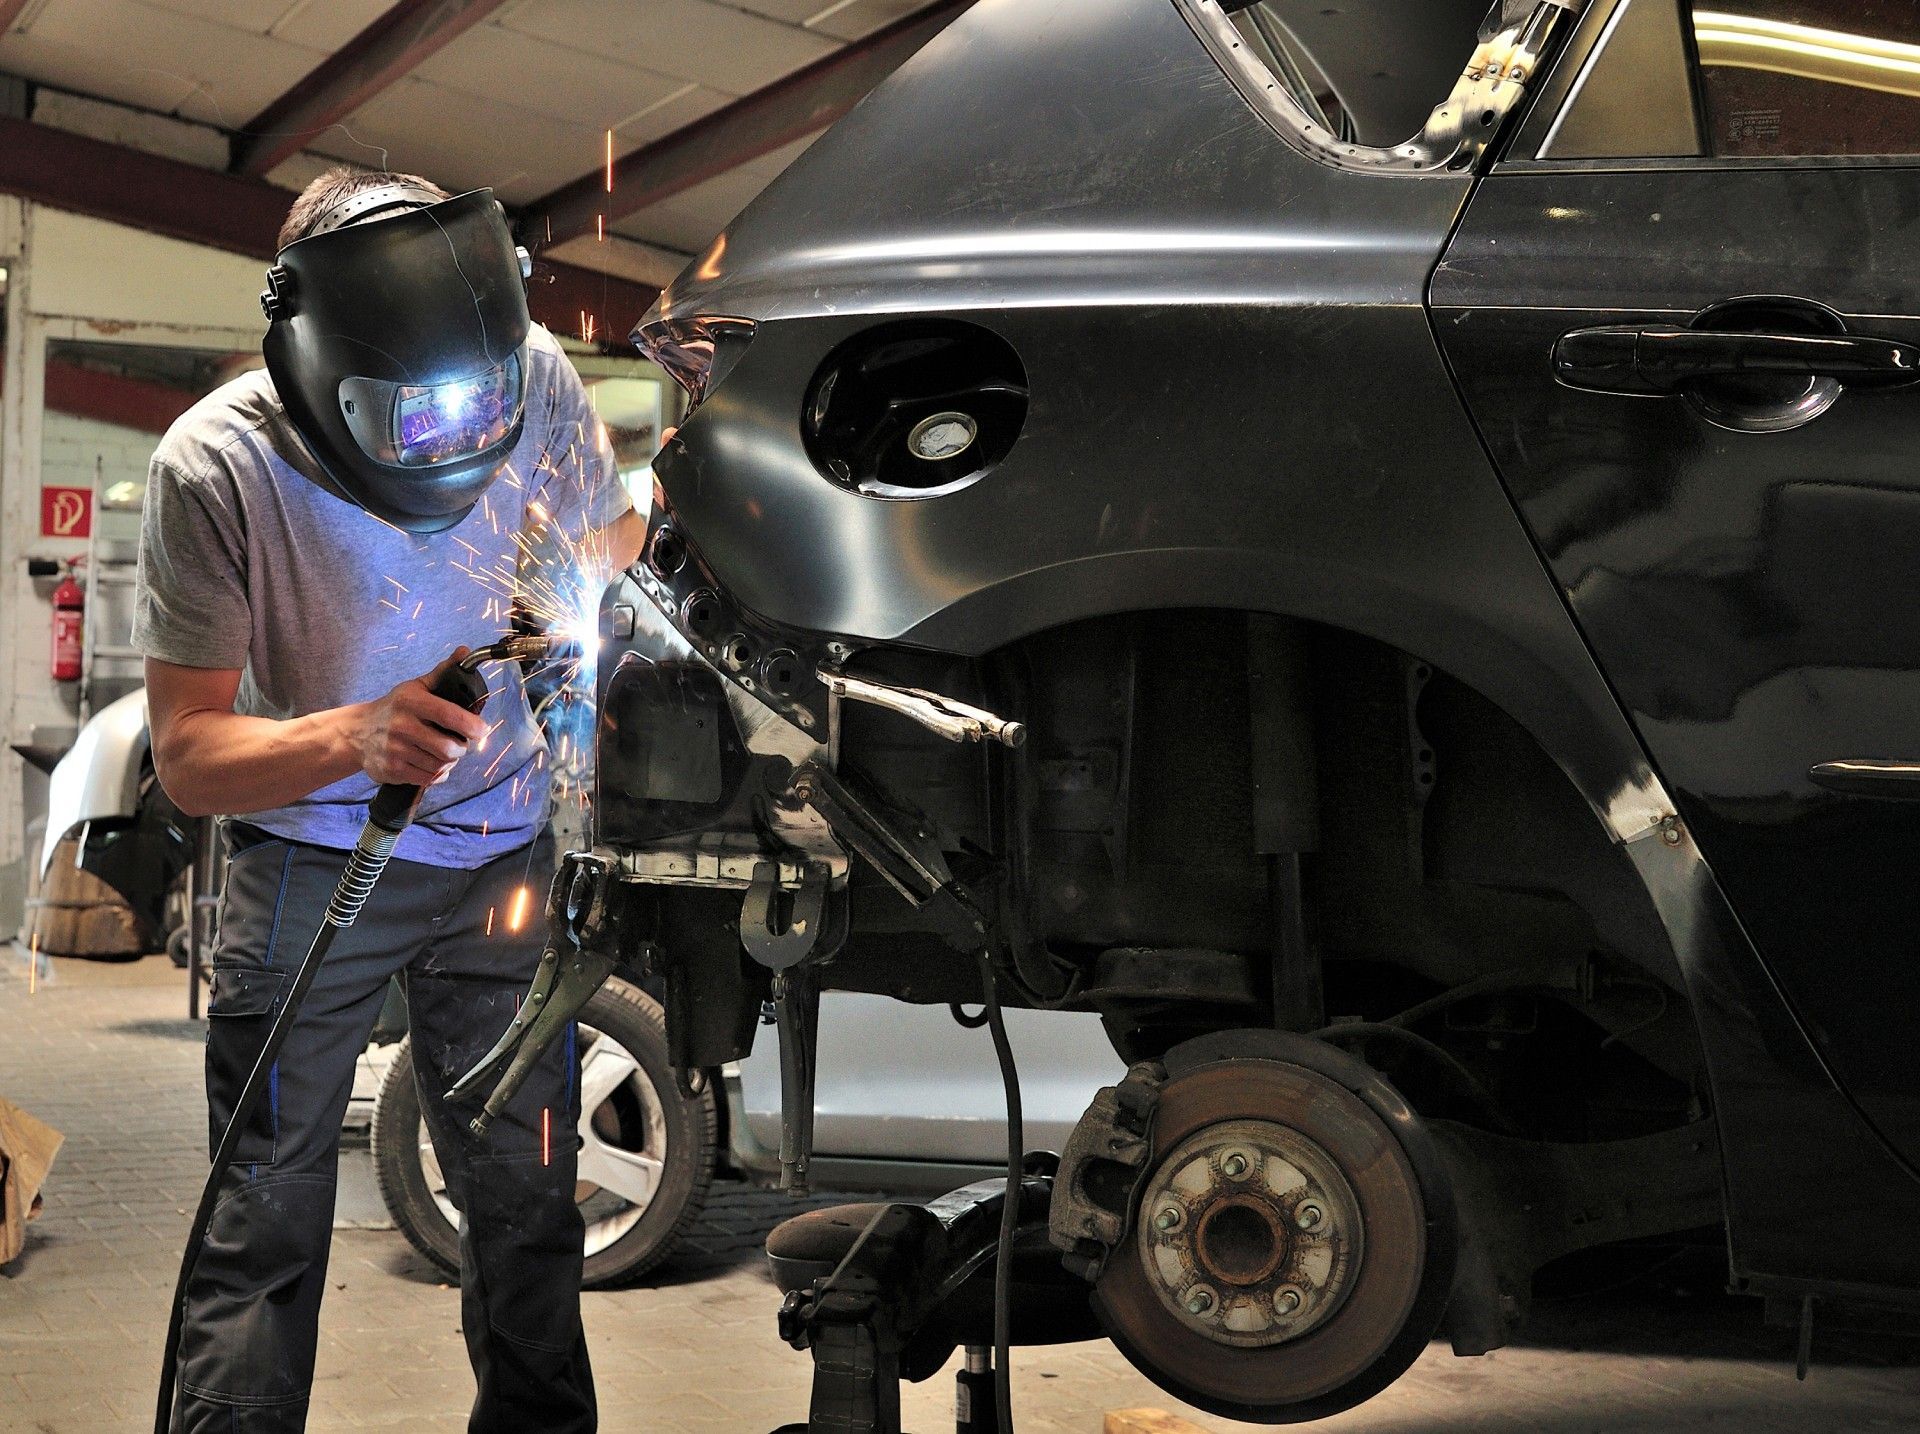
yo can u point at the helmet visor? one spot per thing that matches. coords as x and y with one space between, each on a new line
420 425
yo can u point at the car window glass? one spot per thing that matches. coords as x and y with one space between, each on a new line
1747 78
1369 71
1809 77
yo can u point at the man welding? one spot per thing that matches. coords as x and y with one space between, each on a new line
316 537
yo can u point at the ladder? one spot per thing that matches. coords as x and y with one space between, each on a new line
107 654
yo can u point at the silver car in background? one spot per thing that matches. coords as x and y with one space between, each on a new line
908 1101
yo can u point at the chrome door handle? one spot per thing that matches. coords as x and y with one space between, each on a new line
1869 777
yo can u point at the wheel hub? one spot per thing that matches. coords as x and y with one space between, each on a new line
1249 1234
1278 1260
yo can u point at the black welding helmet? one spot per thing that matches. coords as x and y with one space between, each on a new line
397 340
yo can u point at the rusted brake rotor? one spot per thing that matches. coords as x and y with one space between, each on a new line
1285 1261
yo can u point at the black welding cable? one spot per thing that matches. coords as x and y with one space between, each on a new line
1010 1207
364 866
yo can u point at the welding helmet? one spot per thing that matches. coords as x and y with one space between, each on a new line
396 338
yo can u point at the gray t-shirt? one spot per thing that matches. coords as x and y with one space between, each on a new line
250 559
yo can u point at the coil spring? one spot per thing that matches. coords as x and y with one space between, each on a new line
369 859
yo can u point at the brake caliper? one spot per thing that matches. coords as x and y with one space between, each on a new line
1095 1192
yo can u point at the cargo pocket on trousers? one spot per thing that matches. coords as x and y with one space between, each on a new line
238 1018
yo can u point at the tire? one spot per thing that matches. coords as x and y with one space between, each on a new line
646 1110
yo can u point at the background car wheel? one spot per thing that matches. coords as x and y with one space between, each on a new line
646 1160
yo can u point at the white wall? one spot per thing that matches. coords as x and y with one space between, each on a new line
78 278
92 270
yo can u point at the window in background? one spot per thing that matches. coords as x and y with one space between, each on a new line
106 406
1747 79
1368 71
636 405
1809 77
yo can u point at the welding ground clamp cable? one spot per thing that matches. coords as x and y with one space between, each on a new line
389 814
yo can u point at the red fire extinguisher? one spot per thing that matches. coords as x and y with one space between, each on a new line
69 624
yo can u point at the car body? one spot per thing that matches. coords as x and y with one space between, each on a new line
1451 591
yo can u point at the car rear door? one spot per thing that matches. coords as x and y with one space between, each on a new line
1683 313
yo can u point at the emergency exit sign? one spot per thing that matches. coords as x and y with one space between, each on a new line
66 512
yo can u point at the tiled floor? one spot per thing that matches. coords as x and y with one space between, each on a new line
104 1053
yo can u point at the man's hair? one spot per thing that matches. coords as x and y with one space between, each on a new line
335 185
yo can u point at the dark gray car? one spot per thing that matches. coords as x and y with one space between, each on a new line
1367 544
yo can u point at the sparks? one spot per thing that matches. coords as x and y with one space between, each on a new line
546 1135
609 161
490 911
517 913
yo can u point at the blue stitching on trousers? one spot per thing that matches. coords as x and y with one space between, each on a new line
273 939
573 1064
279 901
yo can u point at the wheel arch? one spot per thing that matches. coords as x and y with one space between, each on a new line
1550 686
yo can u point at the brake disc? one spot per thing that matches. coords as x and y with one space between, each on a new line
1283 1263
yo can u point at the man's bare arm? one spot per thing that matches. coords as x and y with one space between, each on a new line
213 761
625 536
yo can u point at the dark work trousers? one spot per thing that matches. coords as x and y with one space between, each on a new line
246 1363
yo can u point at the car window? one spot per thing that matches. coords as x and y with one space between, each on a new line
1369 71
1747 78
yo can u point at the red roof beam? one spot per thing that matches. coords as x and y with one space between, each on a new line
222 211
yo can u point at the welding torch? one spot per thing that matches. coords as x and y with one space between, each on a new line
389 814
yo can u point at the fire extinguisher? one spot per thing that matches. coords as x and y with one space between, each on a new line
69 626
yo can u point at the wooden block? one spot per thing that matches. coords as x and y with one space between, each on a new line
1148 1421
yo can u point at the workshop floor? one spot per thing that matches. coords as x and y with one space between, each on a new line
104 1054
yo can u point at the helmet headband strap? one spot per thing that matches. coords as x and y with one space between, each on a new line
401 194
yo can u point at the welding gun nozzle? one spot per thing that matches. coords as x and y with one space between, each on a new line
523 647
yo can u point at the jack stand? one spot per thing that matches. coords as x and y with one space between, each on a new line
974 1408
796 1003
780 930
881 1293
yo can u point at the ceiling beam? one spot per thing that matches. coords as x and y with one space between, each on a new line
803 103
223 211
387 51
119 399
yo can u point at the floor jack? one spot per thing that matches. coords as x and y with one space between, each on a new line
878 1293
